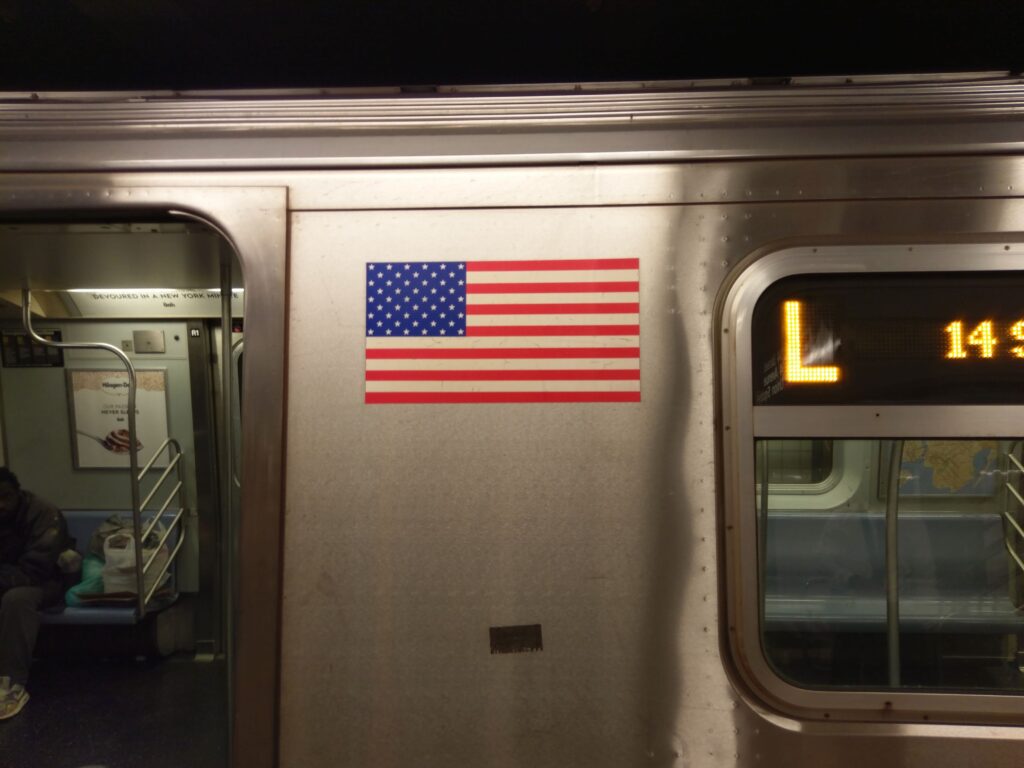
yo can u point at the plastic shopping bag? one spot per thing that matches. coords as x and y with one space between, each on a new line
119 568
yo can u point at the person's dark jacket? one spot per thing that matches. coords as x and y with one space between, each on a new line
32 539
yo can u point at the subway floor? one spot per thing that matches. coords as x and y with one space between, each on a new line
120 713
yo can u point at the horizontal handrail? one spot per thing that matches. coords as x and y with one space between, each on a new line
163 539
1009 518
1020 563
1013 458
173 448
156 518
163 570
170 465
157 452
1014 523
1019 498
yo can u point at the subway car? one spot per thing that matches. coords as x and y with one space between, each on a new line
611 424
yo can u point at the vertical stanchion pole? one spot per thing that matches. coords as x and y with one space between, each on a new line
762 529
133 449
892 563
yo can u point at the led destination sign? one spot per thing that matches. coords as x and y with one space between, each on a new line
934 338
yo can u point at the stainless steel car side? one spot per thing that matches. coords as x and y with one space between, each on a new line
383 548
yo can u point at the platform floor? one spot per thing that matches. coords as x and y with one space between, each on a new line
120 713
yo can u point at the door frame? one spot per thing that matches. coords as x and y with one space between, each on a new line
254 220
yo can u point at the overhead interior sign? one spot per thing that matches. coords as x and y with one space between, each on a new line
148 302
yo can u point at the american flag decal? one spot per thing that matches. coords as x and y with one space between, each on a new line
532 331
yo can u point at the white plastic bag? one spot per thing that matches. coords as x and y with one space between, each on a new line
119 568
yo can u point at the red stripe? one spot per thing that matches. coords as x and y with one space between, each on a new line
501 397
560 264
606 287
551 309
553 330
542 353
514 375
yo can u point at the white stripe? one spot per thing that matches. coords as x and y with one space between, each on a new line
519 320
503 386
553 298
584 363
555 276
500 342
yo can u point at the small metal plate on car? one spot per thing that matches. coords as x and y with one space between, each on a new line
149 342
519 639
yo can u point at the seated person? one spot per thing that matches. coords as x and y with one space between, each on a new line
33 534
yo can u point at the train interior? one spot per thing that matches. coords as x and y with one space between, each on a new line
114 676
958 576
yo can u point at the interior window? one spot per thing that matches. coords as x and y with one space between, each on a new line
795 462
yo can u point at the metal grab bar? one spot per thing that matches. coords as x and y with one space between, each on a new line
175 523
133 450
143 597
892 563
1014 526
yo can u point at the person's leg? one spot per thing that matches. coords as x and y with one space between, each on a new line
19 626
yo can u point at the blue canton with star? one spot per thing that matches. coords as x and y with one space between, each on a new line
416 299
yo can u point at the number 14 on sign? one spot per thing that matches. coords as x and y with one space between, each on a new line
981 341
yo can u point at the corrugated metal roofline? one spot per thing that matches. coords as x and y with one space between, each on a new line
500 88
453 108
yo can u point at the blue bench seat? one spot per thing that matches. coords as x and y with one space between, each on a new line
826 573
81 526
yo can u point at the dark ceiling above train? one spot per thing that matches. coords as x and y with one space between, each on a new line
196 44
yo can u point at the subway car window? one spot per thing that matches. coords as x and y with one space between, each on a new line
879 479
824 581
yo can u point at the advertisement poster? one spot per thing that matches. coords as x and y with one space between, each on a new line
99 417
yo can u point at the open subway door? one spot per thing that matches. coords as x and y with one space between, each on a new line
157 285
